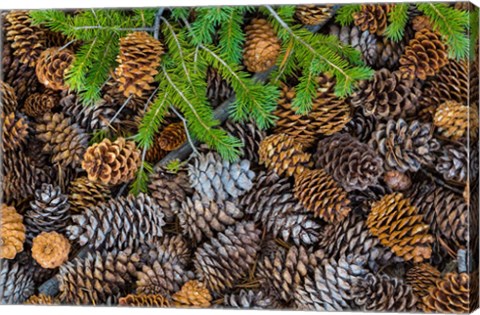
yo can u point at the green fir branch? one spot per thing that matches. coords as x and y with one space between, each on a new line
232 37
152 121
142 178
345 13
397 18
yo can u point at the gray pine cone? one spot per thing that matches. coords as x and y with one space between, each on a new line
16 283
172 248
251 299
452 163
250 135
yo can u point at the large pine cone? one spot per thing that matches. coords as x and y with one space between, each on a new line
387 95
351 163
450 295
218 89
118 223
97 279
312 14
50 250
250 299
12 232
144 300
138 61
452 163
173 136
250 135
217 179
421 278
16 283
262 46
226 259
384 294
14 131
454 120
37 104
112 163
174 249
8 98
320 194
398 226
84 194
193 293
66 142
372 18
424 56
52 66
405 146
361 126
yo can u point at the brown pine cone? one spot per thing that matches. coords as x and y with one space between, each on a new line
16 283
398 226
454 120
14 131
112 163
284 155
311 14
50 250
155 153
421 22
84 194
452 163
138 61
37 104
361 126
218 89
172 136
8 98
421 278
42 299
320 194
372 17
351 163
171 248
52 66
192 294
262 46
397 181
12 232
424 56
450 295
144 300
250 135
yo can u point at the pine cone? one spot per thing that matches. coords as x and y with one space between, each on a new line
155 153
421 22
398 226
320 194
361 126
49 211
8 98
452 163
14 131
250 135
372 18
42 299
37 104
131 222
16 283
452 120
28 41
84 194
262 46
138 61
66 142
351 163
52 66
221 262
387 95
451 295
112 163
421 278
405 146
173 136
50 250
144 300
12 232
193 293
424 56
383 294
97 279
173 249
250 299
311 14
397 181
218 89
217 179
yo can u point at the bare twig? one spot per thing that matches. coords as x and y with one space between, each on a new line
120 110
185 126
156 26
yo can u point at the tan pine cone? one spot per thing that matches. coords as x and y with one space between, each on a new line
172 136
52 66
312 14
421 278
421 22
193 294
12 232
424 56
112 163
138 61
398 226
83 194
50 249
283 154
262 46
144 300
372 18
14 131
450 295
8 98
42 299
37 104
452 120
318 192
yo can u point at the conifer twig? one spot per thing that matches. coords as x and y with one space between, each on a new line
156 26
185 126
119 29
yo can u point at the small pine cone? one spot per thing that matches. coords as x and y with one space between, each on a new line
131 222
50 250
351 163
12 232
421 278
52 66
398 226
8 98
250 135
262 46
112 163
421 22
405 146
372 18
450 295
173 136
283 154
361 126
424 56
250 299
49 211
97 279
452 120
387 95
42 299
320 194
138 61
311 14
218 89
452 163
201 218
38 104
66 142
192 294
84 194
28 41
330 288
217 179
155 153
14 131
384 294
221 262
144 300
397 181
16 283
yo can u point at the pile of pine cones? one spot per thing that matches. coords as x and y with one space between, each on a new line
361 204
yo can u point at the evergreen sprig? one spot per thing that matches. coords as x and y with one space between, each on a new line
345 13
142 178
397 18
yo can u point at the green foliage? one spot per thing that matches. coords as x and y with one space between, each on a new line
140 184
175 165
397 18
474 32
345 13
152 120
